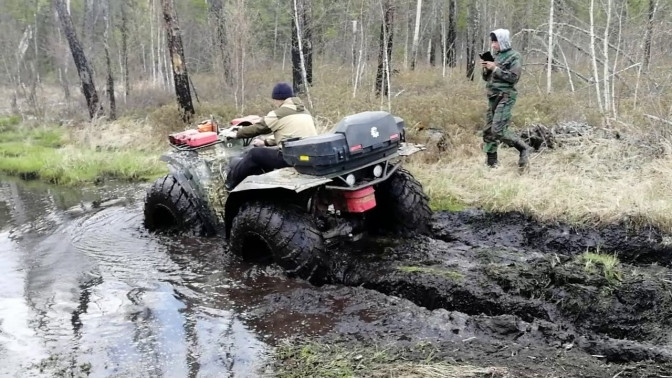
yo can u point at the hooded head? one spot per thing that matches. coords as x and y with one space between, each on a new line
501 36
282 91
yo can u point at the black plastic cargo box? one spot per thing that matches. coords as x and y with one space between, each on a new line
357 140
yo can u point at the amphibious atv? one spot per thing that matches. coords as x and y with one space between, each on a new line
341 185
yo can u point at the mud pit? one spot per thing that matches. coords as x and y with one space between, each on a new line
505 291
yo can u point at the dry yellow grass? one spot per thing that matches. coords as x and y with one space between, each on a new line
584 184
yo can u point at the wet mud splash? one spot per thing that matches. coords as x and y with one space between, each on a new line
509 284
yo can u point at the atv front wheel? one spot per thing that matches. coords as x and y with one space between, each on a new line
402 207
284 232
170 208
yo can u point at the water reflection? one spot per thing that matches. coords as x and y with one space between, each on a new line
85 290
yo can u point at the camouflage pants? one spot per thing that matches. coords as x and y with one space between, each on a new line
497 119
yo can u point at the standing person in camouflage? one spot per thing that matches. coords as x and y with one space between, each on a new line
501 77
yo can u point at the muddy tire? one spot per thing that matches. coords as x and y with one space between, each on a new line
402 207
283 232
170 208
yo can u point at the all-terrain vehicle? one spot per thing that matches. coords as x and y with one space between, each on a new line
342 185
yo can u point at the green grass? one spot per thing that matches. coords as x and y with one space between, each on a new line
445 273
44 153
9 121
598 263
340 361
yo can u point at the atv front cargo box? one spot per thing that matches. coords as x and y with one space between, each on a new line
357 140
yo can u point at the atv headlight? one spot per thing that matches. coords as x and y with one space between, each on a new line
350 179
377 171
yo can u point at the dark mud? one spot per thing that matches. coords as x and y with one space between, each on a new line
510 283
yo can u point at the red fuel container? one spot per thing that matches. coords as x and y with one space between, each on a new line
361 200
181 137
200 139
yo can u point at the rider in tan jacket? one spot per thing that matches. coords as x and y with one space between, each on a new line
289 120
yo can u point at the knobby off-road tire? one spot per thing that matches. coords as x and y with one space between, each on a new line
285 232
170 208
402 207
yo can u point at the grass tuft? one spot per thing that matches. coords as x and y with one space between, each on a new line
608 265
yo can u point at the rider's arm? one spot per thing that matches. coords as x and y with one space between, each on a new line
250 131
260 128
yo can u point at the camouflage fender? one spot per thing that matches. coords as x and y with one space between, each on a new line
285 178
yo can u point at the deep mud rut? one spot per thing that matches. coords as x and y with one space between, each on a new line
503 290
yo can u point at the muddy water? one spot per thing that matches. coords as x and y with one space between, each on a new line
84 289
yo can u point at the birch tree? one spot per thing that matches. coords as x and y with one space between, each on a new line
596 75
416 34
108 63
123 29
473 28
385 51
549 58
302 61
605 52
176 50
648 35
82 64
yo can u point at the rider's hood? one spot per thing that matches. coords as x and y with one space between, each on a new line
294 103
503 38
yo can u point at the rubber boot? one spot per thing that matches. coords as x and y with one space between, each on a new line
492 159
524 150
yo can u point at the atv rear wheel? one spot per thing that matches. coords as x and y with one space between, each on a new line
284 232
170 208
402 207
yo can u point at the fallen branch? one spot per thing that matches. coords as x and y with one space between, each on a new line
658 119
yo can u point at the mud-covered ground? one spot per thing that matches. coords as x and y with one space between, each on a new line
504 291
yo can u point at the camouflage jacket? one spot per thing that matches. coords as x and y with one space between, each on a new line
290 120
504 78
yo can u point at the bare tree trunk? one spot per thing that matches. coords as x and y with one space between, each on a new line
297 74
416 34
451 37
360 60
596 75
549 58
605 52
220 40
153 60
110 78
435 37
472 31
302 60
648 35
307 42
275 28
124 49
180 75
353 63
407 33
82 64
615 66
301 47
386 34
